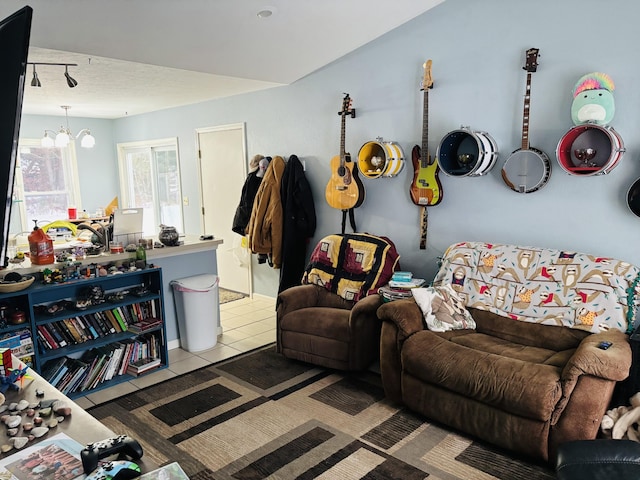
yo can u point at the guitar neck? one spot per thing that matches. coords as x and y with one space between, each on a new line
342 135
424 160
525 114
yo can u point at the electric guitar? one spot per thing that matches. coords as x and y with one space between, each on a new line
344 190
426 189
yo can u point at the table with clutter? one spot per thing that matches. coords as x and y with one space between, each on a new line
32 411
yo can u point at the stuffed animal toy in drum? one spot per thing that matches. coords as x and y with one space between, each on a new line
593 99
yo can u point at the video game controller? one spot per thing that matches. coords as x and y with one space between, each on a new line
116 470
93 452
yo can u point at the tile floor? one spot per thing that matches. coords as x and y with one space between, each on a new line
246 324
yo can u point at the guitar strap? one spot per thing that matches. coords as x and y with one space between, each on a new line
352 219
424 223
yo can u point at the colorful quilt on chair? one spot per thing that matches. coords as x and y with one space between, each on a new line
352 265
543 285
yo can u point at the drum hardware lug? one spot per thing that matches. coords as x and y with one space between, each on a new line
379 139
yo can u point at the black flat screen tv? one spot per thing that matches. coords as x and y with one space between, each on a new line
14 48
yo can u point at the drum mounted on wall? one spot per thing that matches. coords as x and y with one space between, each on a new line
467 153
380 159
590 149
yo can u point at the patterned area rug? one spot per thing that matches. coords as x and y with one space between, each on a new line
227 296
263 416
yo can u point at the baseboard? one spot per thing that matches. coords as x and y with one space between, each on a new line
262 297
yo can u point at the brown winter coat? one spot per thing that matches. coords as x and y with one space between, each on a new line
265 226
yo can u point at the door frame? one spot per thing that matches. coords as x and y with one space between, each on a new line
229 126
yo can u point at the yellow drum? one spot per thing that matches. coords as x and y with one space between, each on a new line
380 159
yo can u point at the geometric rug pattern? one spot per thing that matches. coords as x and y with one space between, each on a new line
263 416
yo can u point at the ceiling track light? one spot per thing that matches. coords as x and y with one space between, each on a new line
63 137
35 81
72 82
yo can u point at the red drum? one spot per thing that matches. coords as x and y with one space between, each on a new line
590 149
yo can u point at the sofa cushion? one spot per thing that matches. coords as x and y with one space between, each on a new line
318 321
525 333
442 309
523 388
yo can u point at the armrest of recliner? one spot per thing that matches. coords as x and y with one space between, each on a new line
405 314
295 298
366 309
612 363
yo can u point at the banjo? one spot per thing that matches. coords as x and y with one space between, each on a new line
527 169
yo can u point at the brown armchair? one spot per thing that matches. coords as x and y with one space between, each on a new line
320 327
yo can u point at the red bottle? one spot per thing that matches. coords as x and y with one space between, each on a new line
40 247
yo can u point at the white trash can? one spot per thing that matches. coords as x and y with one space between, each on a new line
197 305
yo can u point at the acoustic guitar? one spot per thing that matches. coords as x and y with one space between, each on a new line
527 169
344 190
425 189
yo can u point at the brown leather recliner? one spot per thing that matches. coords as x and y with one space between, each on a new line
320 327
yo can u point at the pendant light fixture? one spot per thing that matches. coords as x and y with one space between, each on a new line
64 136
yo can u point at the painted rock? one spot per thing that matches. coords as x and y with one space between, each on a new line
27 427
60 419
13 406
39 431
22 405
53 423
5 448
4 408
61 408
19 442
45 412
13 421
30 412
37 421
12 432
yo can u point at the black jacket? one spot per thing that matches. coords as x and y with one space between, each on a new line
299 222
243 212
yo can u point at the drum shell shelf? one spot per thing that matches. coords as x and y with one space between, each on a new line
390 155
479 147
604 140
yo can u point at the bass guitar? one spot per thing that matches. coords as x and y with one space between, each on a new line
344 190
426 189
527 169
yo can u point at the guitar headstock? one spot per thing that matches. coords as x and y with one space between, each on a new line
346 107
531 60
427 81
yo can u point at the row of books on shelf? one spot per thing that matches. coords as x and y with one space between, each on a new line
137 318
101 364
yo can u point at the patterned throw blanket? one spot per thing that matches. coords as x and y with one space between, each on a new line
543 285
352 265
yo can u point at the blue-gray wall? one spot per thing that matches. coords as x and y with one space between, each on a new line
478 50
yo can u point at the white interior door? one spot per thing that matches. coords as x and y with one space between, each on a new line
223 170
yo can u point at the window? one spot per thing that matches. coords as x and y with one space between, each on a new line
150 179
46 184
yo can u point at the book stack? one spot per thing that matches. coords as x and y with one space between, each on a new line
143 366
405 280
400 286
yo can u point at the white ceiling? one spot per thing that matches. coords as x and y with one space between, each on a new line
137 56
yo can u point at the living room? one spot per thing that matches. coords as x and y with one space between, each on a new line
478 52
